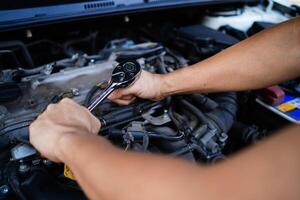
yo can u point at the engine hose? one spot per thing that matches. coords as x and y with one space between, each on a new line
165 137
115 133
135 107
119 118
118 111
221 118
167 101
21 45
193 109
13 55
173 118
224 115
189 148
170 146
165 130
162 67
118 124
247 134
129 111
204 101
194 147
68 50
27 72
180 60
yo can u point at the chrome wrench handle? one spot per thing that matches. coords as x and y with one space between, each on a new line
102 96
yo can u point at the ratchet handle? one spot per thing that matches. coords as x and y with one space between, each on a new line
101 97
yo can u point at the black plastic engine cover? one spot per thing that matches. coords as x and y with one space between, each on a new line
199 41
258 26
205 36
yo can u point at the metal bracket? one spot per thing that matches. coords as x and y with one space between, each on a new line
159 120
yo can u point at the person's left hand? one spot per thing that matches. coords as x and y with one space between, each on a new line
66 117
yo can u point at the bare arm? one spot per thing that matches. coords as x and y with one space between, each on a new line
266 172
267 58
269 171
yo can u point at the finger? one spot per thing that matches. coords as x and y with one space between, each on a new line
112 95
117 94
122 102
127 97
125 100
66 101
130 98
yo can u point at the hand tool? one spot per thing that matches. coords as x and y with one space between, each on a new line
123 75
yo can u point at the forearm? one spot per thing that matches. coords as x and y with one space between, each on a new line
269 57
105 172
268 171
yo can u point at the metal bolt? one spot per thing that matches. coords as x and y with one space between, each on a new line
31 102
166 115
47 162
36 162
23 168
126 19
103 85
75 91
75 56
28 34
49 67
4 189
35 84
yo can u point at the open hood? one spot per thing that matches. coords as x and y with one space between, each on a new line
18 13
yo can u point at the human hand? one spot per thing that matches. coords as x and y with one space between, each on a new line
60 120
148 86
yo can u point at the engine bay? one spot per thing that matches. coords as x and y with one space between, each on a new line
47 65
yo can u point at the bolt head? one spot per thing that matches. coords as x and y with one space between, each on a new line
4 189
75 91
23 168
47 162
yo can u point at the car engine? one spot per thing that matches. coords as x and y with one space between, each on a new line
44 67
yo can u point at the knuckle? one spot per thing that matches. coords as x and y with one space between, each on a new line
39 117
126 103
112 97
124 92
32 126
115 95
96 125
66 100
50 107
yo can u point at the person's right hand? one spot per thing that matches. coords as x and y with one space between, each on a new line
148 86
